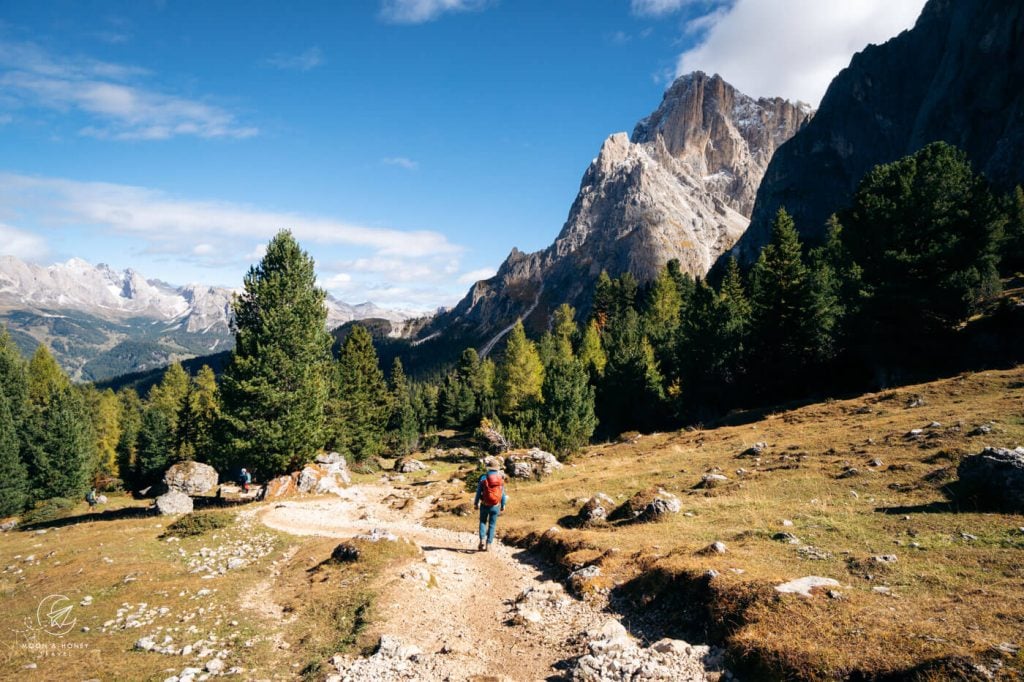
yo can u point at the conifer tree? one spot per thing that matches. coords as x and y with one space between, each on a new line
45 378
67 445
591 352
131 421
520 374
106 418
568 406
662 316
171 396
564 330
156 445
604 300
403 425
361 404
14 484
14 387
784 333
275 386
631 394
1013 249
925 230
196 431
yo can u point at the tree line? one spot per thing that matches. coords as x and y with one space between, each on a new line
914 256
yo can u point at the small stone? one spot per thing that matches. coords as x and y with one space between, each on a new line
787 538
787 523
881 589
717 547
875 463
214 665
804 586
884 559
835 594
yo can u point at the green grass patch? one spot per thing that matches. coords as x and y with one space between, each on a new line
198 523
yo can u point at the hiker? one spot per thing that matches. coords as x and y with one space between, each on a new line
246 479
90 497
490 500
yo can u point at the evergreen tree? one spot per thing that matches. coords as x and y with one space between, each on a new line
403 426
361 405
45 378
568 406
564 330
925 231
155 451
275 386
171 395
14 485
604 300
631 395
131 421
1013 249
14 387
487 398
785 339
66 444
662 316
520 374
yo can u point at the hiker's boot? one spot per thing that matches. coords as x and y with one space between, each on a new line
481 547
488 548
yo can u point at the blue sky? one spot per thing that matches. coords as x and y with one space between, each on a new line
410 144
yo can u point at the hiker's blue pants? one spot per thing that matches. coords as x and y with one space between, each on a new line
489 521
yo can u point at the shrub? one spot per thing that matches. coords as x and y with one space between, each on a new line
198 523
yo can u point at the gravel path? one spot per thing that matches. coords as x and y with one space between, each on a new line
456 614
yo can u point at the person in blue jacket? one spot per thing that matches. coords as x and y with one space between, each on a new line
490 500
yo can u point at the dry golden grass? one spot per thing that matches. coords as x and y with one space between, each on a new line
951 597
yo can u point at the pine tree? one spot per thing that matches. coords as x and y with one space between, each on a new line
131 421
925 230
155 451
14 484
564 330
520 374
403 426
14 388
361 405
275 386
568 407
631 394
785 340
1013 247
604 300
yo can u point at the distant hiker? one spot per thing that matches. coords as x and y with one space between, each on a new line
90 497
490 500
246 480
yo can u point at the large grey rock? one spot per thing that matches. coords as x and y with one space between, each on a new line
805 586
994 478
597 508
407 465
174 502
191 478
663 504
532 464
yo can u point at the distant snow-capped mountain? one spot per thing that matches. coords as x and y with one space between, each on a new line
100 322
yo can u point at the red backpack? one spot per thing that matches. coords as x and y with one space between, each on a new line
492 490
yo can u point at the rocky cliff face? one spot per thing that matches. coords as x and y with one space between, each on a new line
957 76
681 187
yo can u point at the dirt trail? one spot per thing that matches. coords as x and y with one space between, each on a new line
455 603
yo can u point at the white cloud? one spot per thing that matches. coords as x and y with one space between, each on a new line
304 61
421 11
401 162
657 8
790 48
24 245
474 276
110 94
396 268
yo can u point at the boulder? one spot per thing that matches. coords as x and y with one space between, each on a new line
994 477
407 465
282 486
663 504
596 508
191 478
345 552
334 464
174 502
534 463
755 450
805 586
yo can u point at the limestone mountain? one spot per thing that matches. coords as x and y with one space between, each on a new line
956 76
100 322
681 187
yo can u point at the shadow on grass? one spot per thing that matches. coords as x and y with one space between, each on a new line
937 507
108 515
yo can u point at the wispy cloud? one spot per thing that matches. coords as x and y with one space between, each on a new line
401 162
788 48
304 61
111 95
657 8
474 276
392 267
24 245
422 11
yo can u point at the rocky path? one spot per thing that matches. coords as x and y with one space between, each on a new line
460 614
